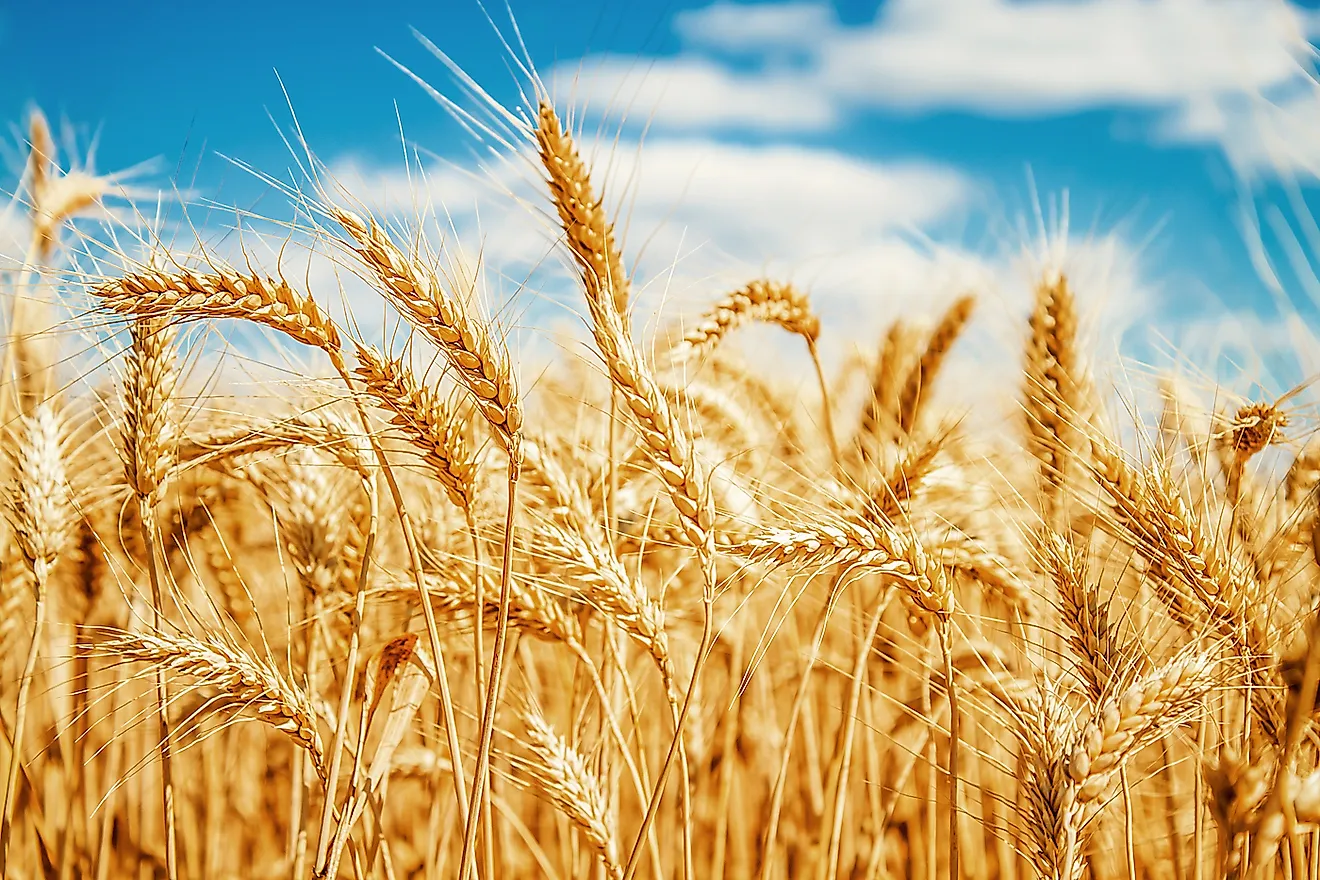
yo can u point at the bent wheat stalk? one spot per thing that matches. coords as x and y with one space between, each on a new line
482 364
768 302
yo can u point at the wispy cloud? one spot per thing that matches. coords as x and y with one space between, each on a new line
795 66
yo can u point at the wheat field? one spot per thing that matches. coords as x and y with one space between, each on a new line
652 612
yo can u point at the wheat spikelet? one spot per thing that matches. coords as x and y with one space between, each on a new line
912 393
668 445
148 435
1052 392
39 173
430 423
564 776
481 362
39 502
961 554
236 600
221 293
1123 725
40 510
1238 790
588 231
1093 639
244 683
761 300
1199 583
93 577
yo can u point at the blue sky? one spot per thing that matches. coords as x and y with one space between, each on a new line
883 153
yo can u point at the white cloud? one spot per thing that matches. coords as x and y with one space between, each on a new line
1004 57
697 93
794 67
757 28
1259 133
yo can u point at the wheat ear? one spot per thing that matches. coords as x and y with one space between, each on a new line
564 776
1123 725
430 422
243 682
1046 729
39 507
762 300
862 548
588 230
913 392
769 302
221 293
1196 580
1093 639
1052 395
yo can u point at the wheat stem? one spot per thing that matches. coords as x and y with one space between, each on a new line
20 724
480 784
